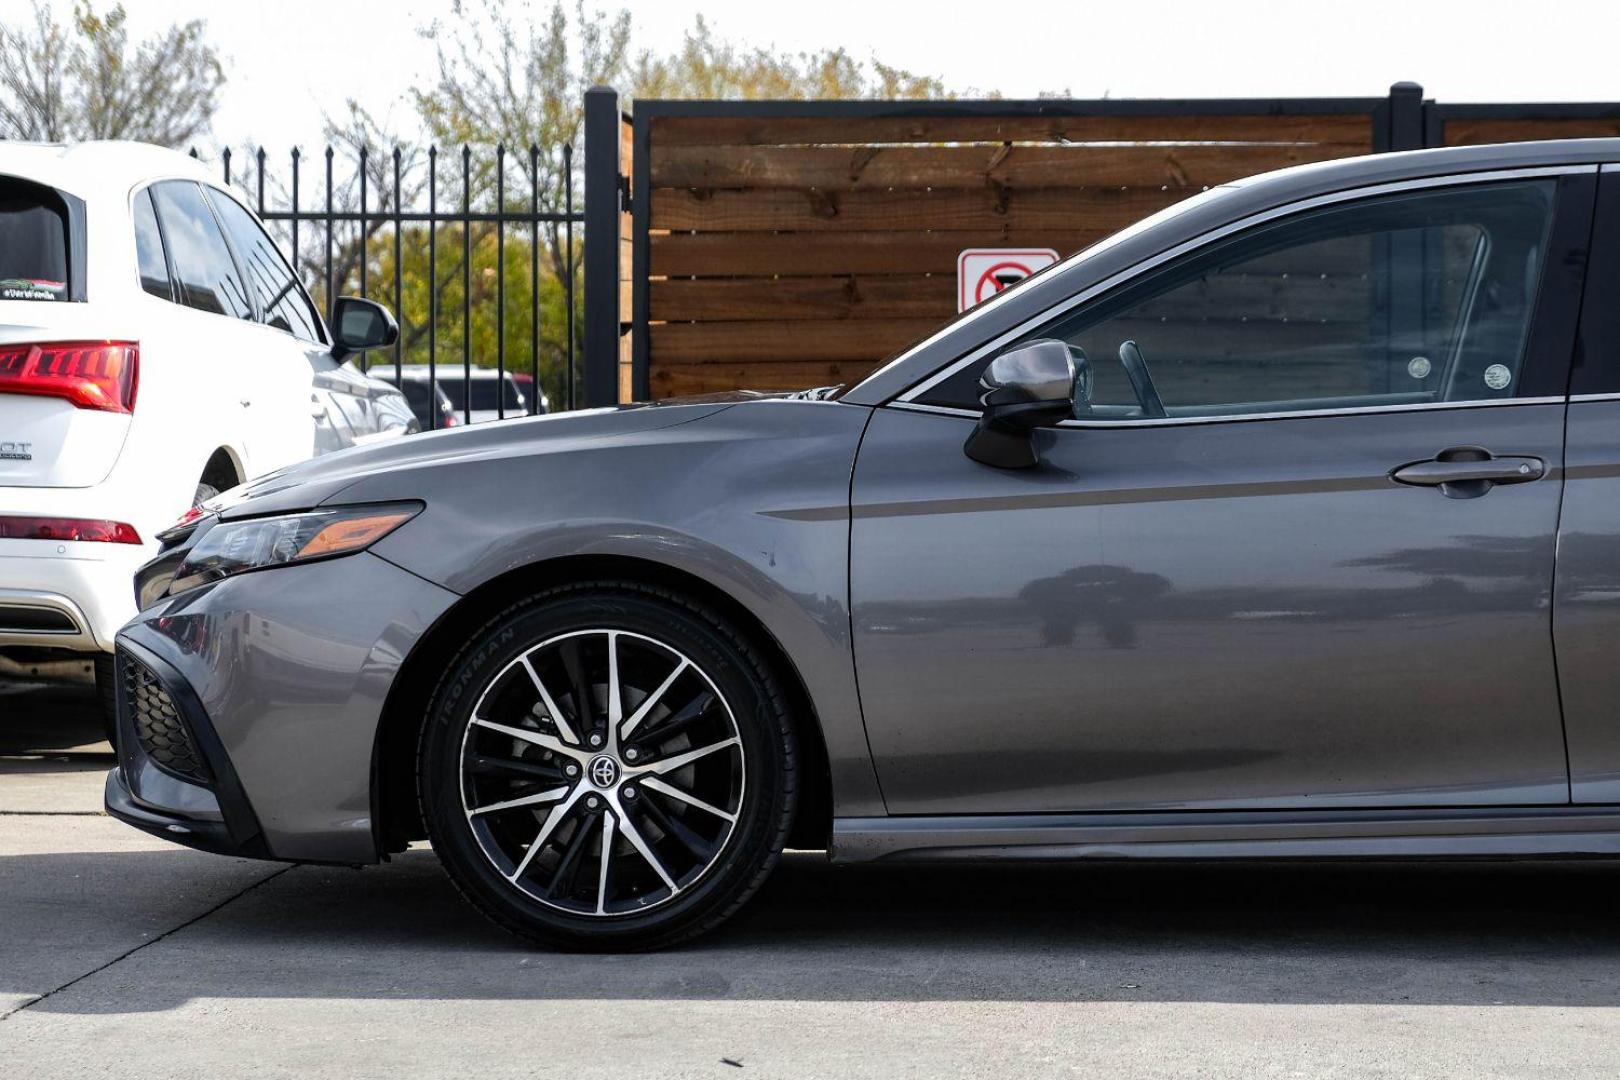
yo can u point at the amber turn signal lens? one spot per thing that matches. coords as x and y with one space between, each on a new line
351 534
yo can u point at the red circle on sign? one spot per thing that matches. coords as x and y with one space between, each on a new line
989 278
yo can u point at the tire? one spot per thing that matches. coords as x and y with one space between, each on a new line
107 695
692 810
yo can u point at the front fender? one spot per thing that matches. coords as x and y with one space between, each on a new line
753 499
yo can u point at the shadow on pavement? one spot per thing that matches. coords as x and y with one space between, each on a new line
45 719
1465 934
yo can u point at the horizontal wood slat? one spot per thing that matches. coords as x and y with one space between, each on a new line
816 254
1353 129
954 210
934 296
845 168
872 339
851 297
675 379
1474 132
808 254
778 342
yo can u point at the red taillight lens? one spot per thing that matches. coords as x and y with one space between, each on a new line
86 529
91 374
187 518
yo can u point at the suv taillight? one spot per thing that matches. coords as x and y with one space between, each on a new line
90 374
78 529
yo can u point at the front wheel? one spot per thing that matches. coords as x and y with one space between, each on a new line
608 766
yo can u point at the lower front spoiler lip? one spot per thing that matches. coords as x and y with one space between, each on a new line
193 832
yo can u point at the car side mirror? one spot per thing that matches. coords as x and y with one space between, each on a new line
358 325
1032 386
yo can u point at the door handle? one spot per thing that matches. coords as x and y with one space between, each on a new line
1467 472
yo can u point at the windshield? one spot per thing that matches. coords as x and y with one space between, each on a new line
33 242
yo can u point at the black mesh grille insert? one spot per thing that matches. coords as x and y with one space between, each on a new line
158 725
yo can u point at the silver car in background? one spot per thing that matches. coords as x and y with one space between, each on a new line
1285 523
483 394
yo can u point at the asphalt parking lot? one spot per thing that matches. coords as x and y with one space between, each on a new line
122 955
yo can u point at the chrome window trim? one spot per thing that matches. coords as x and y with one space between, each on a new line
1238 418
1260 218
1582 397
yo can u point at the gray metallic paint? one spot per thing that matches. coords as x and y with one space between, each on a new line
1586 612
292 667
1026 640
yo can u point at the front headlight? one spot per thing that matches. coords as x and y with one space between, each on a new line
234 547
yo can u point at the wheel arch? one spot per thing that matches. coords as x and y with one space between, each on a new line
396 814
223 464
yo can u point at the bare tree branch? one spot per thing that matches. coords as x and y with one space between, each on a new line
85 81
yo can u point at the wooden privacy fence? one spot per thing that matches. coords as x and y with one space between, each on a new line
782 245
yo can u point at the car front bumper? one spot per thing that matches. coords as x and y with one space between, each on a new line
278 678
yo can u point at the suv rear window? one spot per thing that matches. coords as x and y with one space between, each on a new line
33 242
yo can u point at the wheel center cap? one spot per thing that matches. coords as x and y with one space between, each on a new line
603 770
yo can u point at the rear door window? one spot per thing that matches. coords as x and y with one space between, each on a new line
206 273
281 299
33 242
154 266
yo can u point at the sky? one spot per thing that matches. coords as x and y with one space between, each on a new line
290 62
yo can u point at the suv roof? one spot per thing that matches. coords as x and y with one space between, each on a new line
93 169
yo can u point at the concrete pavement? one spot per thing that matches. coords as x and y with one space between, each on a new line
122 955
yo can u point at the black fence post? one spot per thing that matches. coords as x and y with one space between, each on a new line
1403 120
602 271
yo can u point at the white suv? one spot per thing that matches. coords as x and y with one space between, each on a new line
155 348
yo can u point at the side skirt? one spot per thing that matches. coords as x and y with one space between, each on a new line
1497 832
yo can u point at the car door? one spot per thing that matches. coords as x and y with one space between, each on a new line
289 347
1231 602
1586 608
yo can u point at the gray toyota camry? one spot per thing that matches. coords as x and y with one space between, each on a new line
1283 523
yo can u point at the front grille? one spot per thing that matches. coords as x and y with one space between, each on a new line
159 727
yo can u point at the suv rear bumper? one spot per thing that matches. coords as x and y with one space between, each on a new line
89 584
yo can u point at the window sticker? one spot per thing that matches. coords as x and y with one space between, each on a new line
1497 376
31 289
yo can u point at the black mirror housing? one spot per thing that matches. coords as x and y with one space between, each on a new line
1031 386
358 325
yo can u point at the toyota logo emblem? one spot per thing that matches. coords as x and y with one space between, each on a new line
604 771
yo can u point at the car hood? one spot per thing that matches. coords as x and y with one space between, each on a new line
310 483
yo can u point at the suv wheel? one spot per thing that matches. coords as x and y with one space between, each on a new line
608 766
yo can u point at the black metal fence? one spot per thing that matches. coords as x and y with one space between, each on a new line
486 278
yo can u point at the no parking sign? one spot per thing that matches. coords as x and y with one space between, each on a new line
983 272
